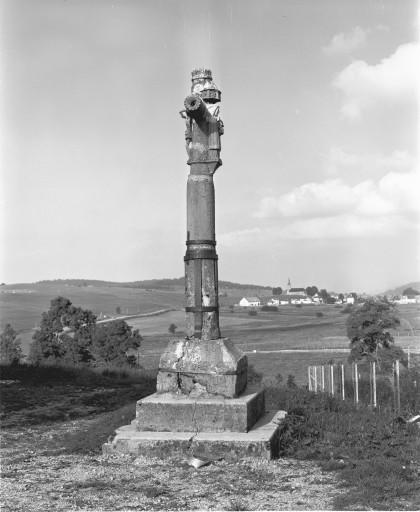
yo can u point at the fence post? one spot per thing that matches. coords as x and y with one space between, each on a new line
315 380
322 378
332 379
356 384
374 382
397 375
343 394
309 378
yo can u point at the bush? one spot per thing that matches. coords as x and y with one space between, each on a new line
252 312
254 377
319 314
298 305
269 308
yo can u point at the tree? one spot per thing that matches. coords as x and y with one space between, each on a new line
311 290
64 335
10 349
368 328
172 328
410 291
277 290
341 296
118 310
113 341
291 381
324 295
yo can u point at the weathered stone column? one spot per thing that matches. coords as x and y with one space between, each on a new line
203 362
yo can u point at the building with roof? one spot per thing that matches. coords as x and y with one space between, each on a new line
247 302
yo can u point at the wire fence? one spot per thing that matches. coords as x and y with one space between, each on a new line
366 383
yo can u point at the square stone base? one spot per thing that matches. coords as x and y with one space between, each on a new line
165 412
195 366
261 441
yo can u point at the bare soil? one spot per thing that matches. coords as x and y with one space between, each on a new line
39 474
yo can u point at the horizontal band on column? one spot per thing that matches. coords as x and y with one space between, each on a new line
201 242
201 309
200 254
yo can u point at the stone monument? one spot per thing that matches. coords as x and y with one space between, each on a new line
202 401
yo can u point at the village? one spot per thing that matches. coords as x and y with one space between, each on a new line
311 295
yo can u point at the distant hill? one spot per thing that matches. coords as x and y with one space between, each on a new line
399 289
152 284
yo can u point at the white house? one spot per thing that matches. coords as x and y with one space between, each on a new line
408 299
250 302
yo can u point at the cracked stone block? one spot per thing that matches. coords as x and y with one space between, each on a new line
215 365
178 413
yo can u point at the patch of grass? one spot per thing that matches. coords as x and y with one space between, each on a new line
90 439
378 458
80 392
236 504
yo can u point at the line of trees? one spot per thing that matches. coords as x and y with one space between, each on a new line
313 290
69 335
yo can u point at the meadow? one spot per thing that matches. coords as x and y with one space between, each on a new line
316 332
284 342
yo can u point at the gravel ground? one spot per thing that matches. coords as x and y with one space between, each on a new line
38 476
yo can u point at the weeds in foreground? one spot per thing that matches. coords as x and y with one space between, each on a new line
378 457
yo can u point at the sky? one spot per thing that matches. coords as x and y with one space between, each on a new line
320 177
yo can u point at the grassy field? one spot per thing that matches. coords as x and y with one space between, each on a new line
290 328
24 307
308 327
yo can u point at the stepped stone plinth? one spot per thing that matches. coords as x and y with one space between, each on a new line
201 402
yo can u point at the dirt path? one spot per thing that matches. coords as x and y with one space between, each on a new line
38 476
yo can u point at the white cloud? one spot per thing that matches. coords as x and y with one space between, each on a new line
394 80
340 161
346 225
346 42
334 209
394 193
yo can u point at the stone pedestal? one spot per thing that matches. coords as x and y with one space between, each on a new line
262 441
197 367
202 405
172 412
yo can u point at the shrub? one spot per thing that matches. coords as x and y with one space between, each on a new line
10 349
269 308
348 308
319 314
254 377
252 312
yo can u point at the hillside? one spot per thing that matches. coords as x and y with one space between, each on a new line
147 284
399 289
